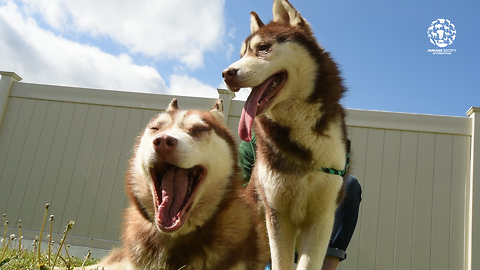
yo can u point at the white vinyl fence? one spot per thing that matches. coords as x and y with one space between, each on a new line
69 147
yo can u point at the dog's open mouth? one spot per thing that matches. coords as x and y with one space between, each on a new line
258 101
174 192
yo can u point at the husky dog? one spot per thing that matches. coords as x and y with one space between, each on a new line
302 150
188 209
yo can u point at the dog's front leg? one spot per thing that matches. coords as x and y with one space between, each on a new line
313 239
281 234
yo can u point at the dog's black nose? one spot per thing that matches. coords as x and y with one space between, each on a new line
164 143
229 72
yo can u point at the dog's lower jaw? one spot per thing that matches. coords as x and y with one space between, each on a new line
173 192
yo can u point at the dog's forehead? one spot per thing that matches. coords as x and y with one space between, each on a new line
164 118
249 45
182 119
255 41
191 119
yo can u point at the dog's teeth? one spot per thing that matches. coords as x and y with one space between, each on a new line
190 185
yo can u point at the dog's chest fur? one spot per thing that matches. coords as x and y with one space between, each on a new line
289 150
215 245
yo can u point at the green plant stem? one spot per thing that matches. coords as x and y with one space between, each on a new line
68 255
5 250
50 242
19 237
34 247
41 232
67 229
87 257
5 223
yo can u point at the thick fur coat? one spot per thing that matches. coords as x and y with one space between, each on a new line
295 110
188 209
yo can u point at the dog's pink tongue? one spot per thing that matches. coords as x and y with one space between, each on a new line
174 190
249 112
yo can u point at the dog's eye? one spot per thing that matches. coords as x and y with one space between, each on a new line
157 125
196 130
264 49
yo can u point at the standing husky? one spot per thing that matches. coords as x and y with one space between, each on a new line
301 135
187 207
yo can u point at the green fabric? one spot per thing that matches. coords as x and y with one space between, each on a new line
246 157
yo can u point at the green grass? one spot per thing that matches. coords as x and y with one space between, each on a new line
20 257
15 260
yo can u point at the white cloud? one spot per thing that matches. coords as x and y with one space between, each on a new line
188 86
39 56
41 41
164 29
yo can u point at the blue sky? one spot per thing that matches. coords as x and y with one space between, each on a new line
181 47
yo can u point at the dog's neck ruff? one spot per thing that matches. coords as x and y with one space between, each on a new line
335 171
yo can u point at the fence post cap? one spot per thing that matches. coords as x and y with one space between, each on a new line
11 74
473 110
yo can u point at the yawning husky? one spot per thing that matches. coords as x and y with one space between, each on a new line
188 209
302 147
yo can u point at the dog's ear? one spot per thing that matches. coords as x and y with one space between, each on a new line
255 22
217 110
173 105
285 13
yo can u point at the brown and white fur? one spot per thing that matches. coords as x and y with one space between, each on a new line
188 209
300 127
